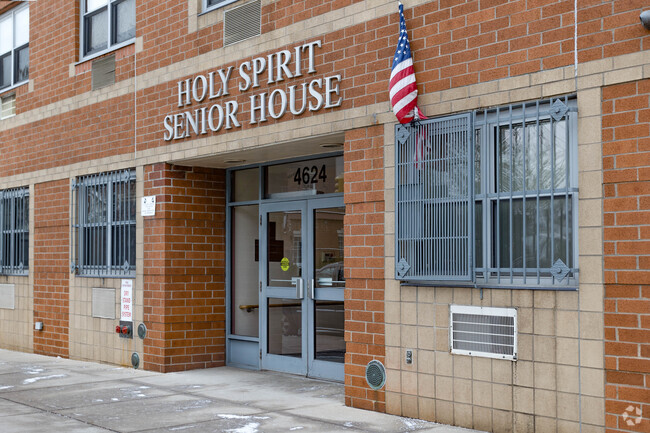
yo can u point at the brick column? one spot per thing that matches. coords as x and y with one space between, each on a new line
364 263
51 267
626 165
184 269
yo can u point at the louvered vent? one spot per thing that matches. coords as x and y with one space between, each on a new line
242 22
103 72
484 331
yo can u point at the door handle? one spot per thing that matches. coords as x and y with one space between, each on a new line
300 293
312 289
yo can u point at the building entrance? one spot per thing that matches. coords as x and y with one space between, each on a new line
286 278
302 314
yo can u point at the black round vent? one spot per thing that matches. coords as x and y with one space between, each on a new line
375 374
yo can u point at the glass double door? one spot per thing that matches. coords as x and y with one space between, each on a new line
301 303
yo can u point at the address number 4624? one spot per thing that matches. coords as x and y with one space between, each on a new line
307 175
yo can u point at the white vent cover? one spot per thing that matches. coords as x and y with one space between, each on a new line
103 303
483 331
242 22
7 296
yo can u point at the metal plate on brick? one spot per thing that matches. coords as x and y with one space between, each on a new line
103 72
483 331
103 303
242 22
375 374
7 296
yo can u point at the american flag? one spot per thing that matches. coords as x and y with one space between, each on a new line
403 89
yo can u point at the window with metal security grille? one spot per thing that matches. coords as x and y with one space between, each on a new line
105 226
106 24
14 223
7 106
14 47
242 22
489 198
483 331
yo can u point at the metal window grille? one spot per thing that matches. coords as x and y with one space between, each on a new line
483 331
105 228
434 200
490 197
14 224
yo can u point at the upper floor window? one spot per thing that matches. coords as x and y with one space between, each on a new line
105 228
14 46
14 231
490 198
213 4
106 23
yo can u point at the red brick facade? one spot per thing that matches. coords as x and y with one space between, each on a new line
184 260
52 267
364 263
626 164
468 55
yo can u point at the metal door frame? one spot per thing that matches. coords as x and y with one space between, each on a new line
307 364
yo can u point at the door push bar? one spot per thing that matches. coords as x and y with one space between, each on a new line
300 292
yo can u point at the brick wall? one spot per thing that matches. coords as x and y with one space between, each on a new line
455 43
626 177
364 263
51 267
184 269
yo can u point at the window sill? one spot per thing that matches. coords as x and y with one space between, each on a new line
493 286
15 86
111 276
106 51
216 7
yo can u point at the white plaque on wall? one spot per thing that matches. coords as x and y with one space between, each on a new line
148 206
127 301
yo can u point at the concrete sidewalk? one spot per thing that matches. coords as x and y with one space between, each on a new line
44 394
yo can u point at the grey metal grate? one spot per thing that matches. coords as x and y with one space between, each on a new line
484 331
103 72
242 22
434 199
105 226
375 374
14 231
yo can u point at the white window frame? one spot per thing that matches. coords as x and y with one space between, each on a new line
11 14
83 36
217 5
